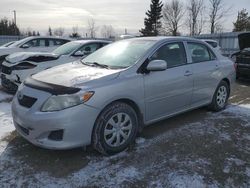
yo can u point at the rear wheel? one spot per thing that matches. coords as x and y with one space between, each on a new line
115 129
220 97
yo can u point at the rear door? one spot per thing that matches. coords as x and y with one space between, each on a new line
205 72
169 91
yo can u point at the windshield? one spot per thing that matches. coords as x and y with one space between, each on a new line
8 44
67 48
120 54
17 43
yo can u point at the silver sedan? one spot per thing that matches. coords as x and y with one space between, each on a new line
108 97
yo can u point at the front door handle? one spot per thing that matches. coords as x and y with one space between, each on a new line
188 73
217 67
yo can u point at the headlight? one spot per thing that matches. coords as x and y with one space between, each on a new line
60 102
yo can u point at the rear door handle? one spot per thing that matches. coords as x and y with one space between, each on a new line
188 73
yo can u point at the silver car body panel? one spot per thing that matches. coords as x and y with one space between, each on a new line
157 95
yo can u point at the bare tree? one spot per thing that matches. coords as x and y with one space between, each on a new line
92 28
172 14
195 10
217 10
59 31
107 31
74 33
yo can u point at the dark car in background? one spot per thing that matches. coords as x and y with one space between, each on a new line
242 58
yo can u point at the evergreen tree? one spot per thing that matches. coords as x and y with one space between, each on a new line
243 21
37 34
152 21
50 31
8 27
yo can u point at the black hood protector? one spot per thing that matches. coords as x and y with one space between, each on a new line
51 88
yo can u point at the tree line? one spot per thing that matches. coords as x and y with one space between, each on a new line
194 16
161 19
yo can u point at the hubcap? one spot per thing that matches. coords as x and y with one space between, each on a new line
118 129
221 96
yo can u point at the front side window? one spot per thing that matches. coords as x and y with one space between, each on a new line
199 52
174 54
36 43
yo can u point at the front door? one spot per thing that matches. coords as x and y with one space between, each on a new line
169 91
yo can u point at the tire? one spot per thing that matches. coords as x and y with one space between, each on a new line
114 119
220 97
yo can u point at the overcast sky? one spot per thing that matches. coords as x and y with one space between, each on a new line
39 14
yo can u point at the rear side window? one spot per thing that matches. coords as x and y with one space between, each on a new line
57 42
200 53
174 54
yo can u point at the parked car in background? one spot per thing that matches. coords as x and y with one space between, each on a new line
242 62
32 44
107 97
7 44
213 43
18 66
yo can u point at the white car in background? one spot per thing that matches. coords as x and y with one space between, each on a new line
8 44
32 44
213 43
18 66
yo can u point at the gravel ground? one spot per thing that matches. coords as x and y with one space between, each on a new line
195 149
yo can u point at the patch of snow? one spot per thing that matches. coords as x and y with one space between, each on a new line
178 180
242 109
248 172
6 123
140 140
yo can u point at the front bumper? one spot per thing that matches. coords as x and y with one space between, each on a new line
76 123
8 84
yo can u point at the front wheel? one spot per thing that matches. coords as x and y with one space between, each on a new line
115 128
220 97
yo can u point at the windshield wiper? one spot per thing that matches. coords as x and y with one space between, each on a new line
96 64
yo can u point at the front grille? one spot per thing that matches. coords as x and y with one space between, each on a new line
26 101
6 70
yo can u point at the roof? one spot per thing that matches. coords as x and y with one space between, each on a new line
168 38
90 41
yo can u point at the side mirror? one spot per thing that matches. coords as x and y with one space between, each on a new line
79 53
157 65
25 46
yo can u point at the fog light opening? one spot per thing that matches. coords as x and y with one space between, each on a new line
56 135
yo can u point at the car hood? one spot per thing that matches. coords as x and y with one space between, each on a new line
74 74
31 56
